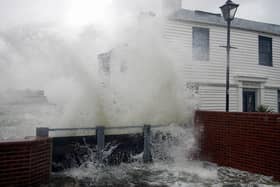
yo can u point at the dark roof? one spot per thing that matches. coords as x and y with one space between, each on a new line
217 19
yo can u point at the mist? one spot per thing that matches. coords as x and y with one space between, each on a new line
53 46
61 59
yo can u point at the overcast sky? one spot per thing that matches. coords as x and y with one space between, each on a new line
259 10
14 12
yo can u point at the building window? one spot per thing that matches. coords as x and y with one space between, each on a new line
265 51
278 100
200 43
104 62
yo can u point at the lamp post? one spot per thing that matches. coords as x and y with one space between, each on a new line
229 10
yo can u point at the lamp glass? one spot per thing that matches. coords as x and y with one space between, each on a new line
232 13
229 10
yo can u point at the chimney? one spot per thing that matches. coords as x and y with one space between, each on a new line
170 6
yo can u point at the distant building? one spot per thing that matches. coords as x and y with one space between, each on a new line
23 97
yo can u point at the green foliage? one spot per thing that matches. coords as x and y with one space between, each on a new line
264 108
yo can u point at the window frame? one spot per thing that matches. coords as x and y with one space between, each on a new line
278 100
256 98
261 40
197 45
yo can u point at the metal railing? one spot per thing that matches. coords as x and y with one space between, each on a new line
44 131
100 136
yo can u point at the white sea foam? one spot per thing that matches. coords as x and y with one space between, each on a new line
144 86
171 171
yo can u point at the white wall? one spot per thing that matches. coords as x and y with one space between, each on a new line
270 96
244 62
213 98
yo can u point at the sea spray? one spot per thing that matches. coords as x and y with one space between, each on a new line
147 90
143 87
172 166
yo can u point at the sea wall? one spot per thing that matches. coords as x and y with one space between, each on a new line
245 141
25 162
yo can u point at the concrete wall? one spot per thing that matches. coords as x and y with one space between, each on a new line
25 162
246 141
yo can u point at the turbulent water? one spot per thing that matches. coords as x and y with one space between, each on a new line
173 166
188 174
143 86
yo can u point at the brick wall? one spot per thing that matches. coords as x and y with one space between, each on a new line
25 162
246 141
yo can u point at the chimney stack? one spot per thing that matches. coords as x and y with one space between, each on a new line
170 6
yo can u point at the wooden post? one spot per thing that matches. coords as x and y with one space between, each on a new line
42 132
100 142
147 155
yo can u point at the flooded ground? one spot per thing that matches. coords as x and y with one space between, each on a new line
160 174
173 166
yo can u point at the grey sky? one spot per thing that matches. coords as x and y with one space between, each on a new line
44 11
258 10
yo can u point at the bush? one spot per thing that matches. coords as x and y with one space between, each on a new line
264 108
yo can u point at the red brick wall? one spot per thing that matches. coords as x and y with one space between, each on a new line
246 141
25 162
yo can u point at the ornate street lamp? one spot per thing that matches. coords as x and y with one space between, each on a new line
229 10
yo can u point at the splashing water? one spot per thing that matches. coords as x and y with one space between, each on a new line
172 166
143 87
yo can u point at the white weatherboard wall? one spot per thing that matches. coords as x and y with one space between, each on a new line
269 98
210 75
212 98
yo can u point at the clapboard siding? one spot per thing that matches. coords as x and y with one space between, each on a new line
244 62
217 101
270 96
244 59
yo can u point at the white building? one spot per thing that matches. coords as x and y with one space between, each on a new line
197 39
254 66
